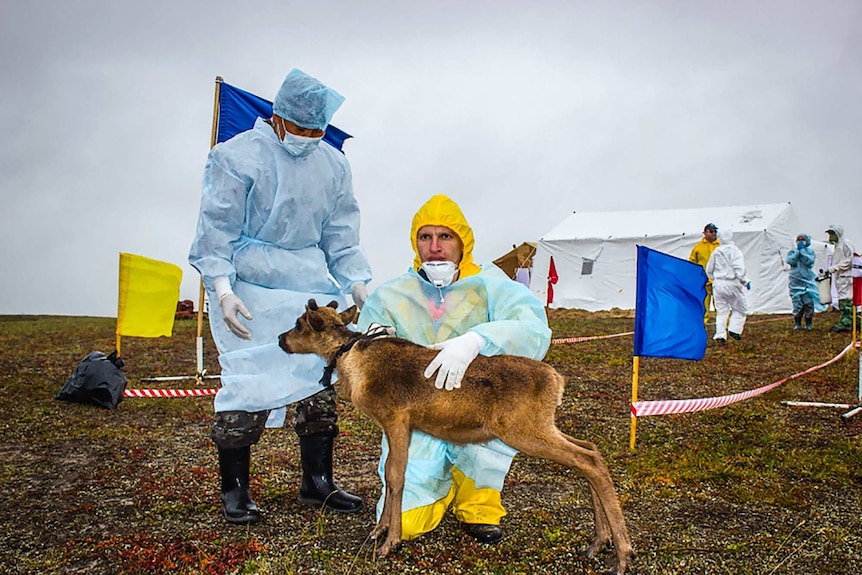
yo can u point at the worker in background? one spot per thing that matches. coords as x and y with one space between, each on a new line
726 269
700 255
803 289
842 278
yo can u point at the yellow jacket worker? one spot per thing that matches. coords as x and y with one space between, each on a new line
700 255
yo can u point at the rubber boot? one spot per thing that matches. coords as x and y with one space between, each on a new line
808 323
317 488
845 324
798 319
237 504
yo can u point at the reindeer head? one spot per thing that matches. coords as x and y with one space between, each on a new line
318 329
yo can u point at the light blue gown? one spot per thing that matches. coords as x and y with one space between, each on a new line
511 320
284 229
803 288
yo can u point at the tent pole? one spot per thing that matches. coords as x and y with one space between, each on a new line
632 432
201 291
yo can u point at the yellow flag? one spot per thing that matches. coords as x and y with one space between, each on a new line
149 292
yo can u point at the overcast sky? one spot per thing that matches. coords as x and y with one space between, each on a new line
522 112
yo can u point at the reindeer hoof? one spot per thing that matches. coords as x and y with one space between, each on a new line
388 547
622 563
594 549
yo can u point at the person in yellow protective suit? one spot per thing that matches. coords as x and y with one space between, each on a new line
700 255
448 302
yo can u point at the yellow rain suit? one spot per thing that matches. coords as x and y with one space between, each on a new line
700 255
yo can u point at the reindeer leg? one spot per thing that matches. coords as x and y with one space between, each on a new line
549 443
398 436
602 527
596 472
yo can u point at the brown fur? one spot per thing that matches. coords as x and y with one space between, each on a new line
506 397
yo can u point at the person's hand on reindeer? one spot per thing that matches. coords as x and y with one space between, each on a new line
453 360
231 306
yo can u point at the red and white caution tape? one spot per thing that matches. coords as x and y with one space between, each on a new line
594 337
169 392
588 338
668 407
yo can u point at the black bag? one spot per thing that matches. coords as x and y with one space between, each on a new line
97 380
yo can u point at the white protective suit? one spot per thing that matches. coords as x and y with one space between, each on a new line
842 264
726 269
278 227
510 319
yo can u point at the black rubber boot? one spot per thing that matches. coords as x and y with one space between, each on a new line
808 323
798 319
317 488
237 504
482 532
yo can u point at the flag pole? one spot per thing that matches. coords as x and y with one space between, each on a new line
632 432
199 342
119 265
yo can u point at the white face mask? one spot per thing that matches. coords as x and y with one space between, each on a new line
299 146
440 274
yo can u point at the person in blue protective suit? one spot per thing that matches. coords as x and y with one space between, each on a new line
803 288
278 225
448 302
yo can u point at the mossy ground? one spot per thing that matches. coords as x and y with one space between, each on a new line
756 487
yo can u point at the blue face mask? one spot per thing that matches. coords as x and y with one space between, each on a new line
800 245
299 146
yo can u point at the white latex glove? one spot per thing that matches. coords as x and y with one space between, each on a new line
378 330
453 360
231 305
359 293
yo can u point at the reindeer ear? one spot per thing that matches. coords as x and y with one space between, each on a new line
350 315
333 304
312 304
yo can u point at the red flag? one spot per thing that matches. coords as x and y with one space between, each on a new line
552 279
857 279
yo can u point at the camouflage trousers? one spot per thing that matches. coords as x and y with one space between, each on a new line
315 414
846 307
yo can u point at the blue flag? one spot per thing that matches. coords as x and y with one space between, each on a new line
238 111
669 308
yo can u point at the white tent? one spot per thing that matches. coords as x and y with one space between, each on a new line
595 253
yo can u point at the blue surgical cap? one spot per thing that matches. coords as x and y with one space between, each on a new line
305 101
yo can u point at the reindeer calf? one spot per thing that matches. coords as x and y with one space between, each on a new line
507 397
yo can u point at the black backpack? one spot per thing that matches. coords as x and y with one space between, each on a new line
97 380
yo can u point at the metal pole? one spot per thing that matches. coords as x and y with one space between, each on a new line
633 430
199 342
